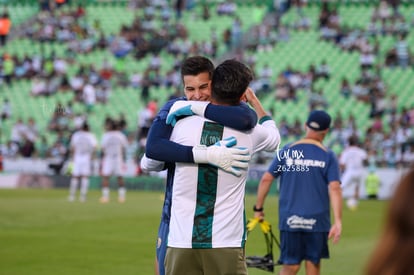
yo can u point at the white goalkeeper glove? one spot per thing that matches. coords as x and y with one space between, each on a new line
223 155
185 108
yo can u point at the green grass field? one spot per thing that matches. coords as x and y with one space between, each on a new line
42 233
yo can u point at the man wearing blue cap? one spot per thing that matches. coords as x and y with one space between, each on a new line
309 188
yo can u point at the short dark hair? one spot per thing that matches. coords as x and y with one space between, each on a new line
230 80
111 124
195 65
353 140
85 126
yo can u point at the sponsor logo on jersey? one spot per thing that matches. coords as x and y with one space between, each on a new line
300 222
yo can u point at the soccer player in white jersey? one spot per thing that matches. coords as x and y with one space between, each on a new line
352 161
83 146
196 74
208 224
114 144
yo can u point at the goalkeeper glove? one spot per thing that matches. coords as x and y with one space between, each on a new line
185 108
222 156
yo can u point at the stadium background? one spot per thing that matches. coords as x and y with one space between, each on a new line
129 51
294 42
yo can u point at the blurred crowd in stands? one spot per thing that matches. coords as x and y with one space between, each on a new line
159 30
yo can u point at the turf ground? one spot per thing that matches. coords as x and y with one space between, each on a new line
42 233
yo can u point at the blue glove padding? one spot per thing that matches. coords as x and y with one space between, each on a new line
173 117
183 108
228 142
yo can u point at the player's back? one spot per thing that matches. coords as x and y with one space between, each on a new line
353 157
207 197
83 143
306 168
113 144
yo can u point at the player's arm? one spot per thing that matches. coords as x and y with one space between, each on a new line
124 147
342 161
251 98
101 153
335 197
266 133
262 191
240 117
264 187
159 147
96 149
71 148
148 164
71 152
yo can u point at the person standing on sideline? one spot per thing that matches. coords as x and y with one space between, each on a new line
196 73
394 251
309 187
208 224
114 144
372 184
351 162
83 145
5 26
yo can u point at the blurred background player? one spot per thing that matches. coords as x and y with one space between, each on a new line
352 162
113 145
83 146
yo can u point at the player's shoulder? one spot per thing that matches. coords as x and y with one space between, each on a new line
307 142
195 122
76 134
105 135
169 103
164 110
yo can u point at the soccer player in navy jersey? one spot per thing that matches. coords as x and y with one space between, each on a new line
309 188
196 74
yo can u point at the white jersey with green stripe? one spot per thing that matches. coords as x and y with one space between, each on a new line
208 208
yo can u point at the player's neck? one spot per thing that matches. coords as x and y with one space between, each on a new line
315 136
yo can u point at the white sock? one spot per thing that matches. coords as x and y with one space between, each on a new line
121 192
73 187
84 187
105 192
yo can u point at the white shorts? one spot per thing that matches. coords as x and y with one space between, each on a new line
352 178
82 167
112 166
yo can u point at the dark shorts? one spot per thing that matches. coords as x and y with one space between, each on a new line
162 245
298 246
205 261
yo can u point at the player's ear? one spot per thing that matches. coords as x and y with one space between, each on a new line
243 97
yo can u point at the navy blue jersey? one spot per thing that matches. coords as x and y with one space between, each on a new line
305 169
